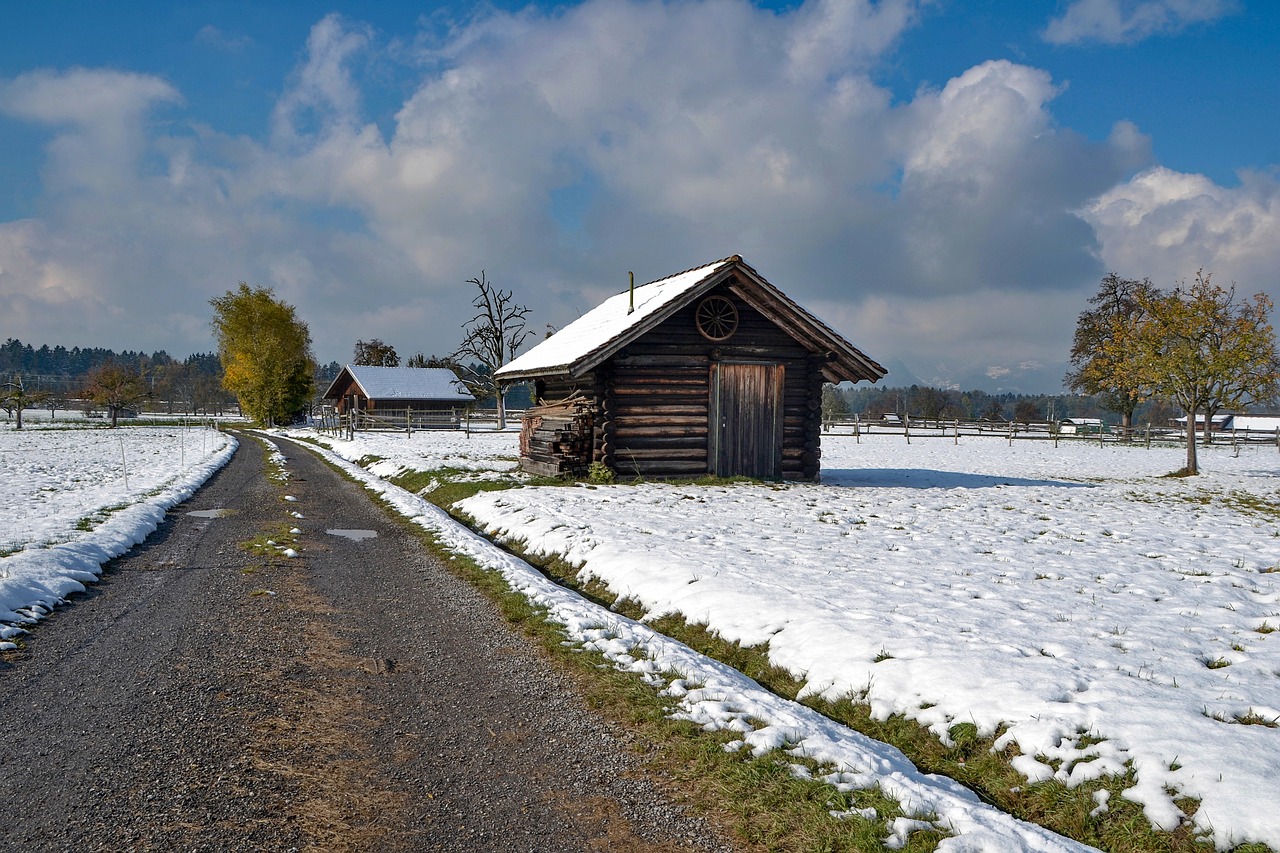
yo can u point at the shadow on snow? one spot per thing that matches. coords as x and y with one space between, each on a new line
924 478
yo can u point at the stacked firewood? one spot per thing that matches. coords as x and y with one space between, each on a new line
556 438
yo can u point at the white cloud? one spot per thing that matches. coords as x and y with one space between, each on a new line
322 94
100 120
989 184
828 37
1166 225
558 151
1124 21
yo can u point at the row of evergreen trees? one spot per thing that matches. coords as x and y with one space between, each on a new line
60 375
59 363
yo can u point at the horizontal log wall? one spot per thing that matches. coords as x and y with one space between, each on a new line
658 395
651 401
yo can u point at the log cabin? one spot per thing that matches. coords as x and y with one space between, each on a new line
709 371
416 390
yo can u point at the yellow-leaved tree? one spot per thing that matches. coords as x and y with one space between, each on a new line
1099 349
1203 349
265 351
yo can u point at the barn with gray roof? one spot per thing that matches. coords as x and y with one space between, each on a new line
416 390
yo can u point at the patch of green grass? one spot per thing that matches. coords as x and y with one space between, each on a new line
1217 663
1253 504
91 522
1253 718
261 544
598 472
446 486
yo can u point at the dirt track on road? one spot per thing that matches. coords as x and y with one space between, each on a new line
211 696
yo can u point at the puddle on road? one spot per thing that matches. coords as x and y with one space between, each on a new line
353 535
211 513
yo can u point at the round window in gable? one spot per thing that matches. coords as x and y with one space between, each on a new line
717 318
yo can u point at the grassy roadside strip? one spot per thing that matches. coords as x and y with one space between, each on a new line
761 800
737 783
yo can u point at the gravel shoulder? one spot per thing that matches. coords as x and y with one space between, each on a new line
209 696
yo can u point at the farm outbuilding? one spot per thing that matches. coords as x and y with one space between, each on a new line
709 371
403 390
1251 423
1082 426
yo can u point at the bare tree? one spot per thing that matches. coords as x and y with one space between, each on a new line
14 398
492 337
419 359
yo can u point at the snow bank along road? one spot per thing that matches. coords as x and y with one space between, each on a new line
1101 613
208 695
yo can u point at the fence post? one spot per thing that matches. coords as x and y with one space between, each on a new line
1148 435
124 465
408 421
1011 433
957 426
857 430
906 426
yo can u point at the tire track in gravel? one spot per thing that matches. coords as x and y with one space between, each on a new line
208 696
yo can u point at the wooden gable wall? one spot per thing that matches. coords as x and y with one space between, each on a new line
652 402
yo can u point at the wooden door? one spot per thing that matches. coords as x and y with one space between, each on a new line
745 433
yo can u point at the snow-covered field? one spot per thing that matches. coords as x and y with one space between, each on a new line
1061 592
71 499
1057 592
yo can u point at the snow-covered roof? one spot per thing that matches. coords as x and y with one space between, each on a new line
1267 423
403 383
596 335
609 321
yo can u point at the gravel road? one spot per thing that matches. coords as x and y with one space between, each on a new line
206 695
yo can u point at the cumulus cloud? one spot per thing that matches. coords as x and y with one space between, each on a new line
100 120
989 184
558 150
322 94
1166 225
1125 21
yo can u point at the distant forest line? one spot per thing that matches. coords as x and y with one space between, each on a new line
196 378
928 403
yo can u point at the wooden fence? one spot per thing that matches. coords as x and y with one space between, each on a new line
925 428
409 421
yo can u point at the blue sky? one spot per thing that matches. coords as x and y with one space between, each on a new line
944 182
